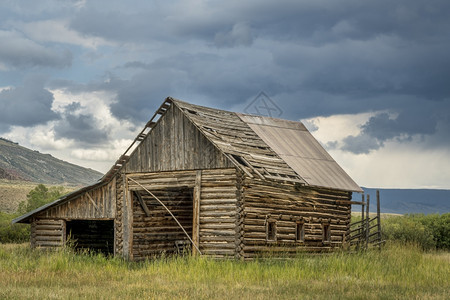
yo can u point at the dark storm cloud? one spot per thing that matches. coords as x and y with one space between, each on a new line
27 105
412 121
19 52
314 58
79 127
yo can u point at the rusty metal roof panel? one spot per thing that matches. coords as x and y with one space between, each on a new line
301 151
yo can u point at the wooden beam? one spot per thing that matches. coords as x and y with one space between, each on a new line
93 202
141 201
196 213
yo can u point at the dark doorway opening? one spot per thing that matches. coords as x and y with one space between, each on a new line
94 235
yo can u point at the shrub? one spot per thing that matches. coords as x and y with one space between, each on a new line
19 233
427 231
12 233
39 196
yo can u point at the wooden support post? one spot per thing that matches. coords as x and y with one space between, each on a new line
196 213
141 201
379 218
367 221
127 221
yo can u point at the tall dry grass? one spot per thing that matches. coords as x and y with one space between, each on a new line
396 272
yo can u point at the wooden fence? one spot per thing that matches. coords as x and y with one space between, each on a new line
366 232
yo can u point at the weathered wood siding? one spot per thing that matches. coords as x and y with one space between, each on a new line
286 205
175 144
218 200
217 212
47 233
99 203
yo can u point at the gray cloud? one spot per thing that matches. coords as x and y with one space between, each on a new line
314 59
416 120
80 127
239 35
27 106
19 52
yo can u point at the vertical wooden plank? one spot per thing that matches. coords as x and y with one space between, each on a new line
196 213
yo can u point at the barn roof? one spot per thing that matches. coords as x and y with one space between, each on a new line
264 147
270 148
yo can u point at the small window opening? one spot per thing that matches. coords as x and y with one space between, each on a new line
299 232
271 231
326 233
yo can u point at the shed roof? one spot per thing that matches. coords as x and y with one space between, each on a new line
301 151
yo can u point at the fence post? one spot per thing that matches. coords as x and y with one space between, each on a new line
367 221
361 229
379 218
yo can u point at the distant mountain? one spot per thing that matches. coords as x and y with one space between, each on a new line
402 201
20 163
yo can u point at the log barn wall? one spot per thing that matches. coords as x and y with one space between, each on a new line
175 143
47 233
215 230
286 205
48 228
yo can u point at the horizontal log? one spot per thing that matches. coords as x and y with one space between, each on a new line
48 232
230 207
231 195
218 226
211 246
219 201
205 239
213 232
224 252
48 227
206 214
48 238
48 244
211 220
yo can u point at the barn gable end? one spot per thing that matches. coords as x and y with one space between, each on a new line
174 143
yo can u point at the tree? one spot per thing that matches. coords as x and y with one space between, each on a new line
39 196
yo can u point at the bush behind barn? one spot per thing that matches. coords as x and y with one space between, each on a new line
19 233
428 231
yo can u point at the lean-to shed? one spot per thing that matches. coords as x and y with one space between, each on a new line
239 185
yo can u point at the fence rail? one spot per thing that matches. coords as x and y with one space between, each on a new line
366 233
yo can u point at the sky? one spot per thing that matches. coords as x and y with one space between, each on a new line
370 79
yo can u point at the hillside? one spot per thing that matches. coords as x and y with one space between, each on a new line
20 163
402 201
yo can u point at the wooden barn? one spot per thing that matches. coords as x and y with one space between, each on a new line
210 182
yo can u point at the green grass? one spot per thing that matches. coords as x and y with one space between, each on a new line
396 272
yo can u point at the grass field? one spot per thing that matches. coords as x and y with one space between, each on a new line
396 272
